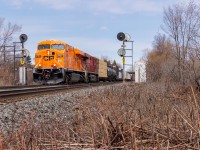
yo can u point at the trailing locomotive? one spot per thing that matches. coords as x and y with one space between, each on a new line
58 62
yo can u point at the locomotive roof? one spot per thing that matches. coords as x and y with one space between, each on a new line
51 42
61 42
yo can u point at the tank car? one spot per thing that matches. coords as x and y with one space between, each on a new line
58 62
112 74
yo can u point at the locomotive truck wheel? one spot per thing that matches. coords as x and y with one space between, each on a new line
97 79
66 80
86 80
114 79
55 78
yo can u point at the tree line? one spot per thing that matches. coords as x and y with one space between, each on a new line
176 51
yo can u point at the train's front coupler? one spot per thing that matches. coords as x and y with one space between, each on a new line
48 76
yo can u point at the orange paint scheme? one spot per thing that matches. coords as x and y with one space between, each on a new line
57 62
48 57
74 59
69 57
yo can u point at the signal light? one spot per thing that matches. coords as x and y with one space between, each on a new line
23 38
121 36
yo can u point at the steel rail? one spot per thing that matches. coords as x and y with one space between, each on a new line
27 90
19 86
24 91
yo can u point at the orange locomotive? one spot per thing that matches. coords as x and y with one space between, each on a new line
57 62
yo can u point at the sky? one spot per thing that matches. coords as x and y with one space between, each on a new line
90 25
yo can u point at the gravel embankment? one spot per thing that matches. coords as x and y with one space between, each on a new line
60 105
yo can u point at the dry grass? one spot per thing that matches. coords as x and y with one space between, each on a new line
146 116
7 75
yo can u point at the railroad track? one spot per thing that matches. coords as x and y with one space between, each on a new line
14 91
18 91
18 86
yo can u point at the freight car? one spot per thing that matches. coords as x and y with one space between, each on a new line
58 62
103 70
106 73
112 74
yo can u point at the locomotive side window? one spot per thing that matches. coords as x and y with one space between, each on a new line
58 46
43 46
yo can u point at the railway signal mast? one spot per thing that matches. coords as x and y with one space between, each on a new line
22 70
23 38
124 37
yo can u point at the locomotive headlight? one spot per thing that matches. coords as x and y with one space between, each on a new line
48 52
54 65
40 65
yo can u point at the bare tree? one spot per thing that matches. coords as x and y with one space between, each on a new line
182 25
162 44
159 58
7 34
7 31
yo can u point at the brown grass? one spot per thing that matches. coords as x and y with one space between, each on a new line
7 75
145 116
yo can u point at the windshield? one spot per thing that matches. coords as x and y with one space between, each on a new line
44 46
58 46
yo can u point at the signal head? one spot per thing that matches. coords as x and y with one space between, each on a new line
23 38
121 36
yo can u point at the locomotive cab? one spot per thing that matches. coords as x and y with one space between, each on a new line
49 62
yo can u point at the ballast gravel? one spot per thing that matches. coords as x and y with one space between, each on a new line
62 105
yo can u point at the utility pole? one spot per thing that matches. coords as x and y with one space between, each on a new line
14 65
4 54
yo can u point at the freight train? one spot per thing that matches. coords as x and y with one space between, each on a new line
57 62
